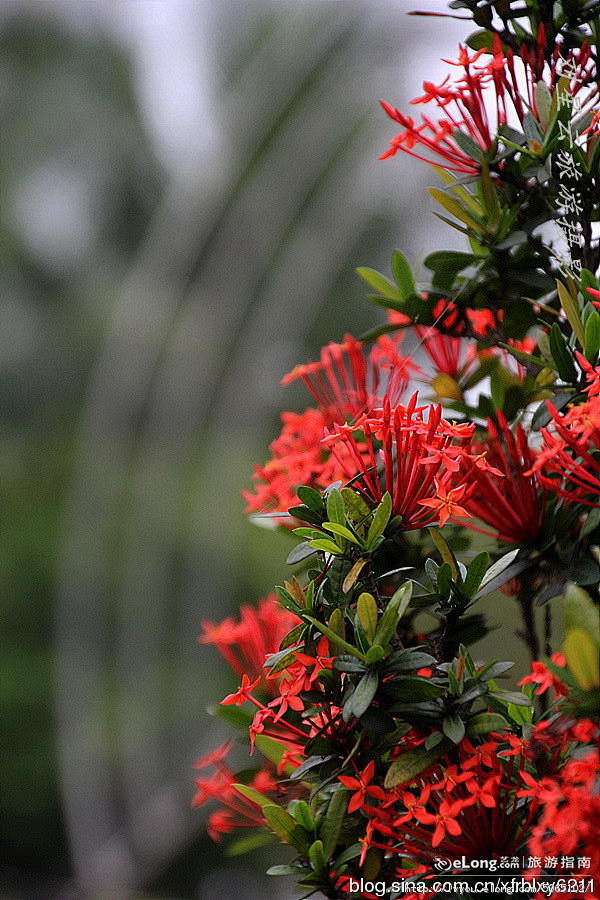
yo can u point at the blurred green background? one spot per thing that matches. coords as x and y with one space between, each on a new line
188 186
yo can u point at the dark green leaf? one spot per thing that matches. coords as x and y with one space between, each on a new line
513 697
561 355
381 517
413 688
364 693
311 498
485 722
412 763
333 822
454 728
475 574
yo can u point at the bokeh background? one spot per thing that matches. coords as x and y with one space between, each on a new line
188 186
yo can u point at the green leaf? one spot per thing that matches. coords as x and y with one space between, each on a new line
342 531
381 517
393 613
366 610
311 498
475 574
280 822
515 698
455 209
413 763
334 819
402 274
300 810
234 715
591 522
328 632
364 693
374 654
357 508
286 870
581 612
485 722
326 547
592 336
380 283
317 857
270 748
413 688
468 145
569 305
251 842
338 627
499 566
445 551
253 795
561 355
335 507
581 653
495 669
299 553
454 728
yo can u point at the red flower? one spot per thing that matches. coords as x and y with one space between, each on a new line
242 693
240 812
362 787
297 458
545 678
484 322
444 820
446 502
418 459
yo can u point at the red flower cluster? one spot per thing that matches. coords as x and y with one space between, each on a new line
420 460
238 811
452 810
509 497
345 382
245 644
569 464
466 106
567 827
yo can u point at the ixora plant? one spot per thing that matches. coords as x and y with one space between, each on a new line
391 759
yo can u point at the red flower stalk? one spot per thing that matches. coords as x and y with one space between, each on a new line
419 461
508 499
571 452
347 381
245 644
